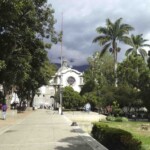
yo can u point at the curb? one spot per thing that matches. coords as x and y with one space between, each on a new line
94 144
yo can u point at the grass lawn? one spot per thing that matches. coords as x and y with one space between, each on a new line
85 120
135 128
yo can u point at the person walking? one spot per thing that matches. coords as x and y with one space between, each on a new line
4 108
88 107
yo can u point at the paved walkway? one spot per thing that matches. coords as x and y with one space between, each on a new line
45 130
84 119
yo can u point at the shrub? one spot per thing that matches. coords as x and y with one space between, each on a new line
110 118
121 119
115 139
117 119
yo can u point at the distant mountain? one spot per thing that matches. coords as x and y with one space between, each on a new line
81 68
78 68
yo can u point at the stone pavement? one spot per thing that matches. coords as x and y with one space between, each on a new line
12 118
84 119
44 130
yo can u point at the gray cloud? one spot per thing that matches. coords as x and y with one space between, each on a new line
81 18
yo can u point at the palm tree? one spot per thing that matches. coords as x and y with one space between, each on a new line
110 35
137 43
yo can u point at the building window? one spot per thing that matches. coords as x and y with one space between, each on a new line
71 80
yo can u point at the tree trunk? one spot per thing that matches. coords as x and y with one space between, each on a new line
115 70
32 99
4 90
115 62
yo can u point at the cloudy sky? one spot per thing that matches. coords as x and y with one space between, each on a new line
82 17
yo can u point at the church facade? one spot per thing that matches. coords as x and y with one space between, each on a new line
65 76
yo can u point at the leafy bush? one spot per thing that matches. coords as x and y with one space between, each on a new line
116 110
117 119
115 139
121 119
110 118
71 98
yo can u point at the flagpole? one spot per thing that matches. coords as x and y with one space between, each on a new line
60 90
61 38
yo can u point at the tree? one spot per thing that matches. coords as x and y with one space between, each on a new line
2 65
39 76
99 75
109 37
24 26
139 80
137 43
89 86
100 70
90 97
107 95
144 82
127 70
71 98
128 97
148 60
116 110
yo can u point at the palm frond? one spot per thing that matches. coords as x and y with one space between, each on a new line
125 28
121 29
118 22
129 51
102 30
127 40
108 22
105 40
145 45
144 40
97 39
102 39
143 52
110 27
116 27
105 48
138 41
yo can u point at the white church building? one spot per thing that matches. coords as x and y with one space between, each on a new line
65 76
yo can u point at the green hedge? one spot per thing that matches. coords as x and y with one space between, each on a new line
117 119
110 118
114 139
121 119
